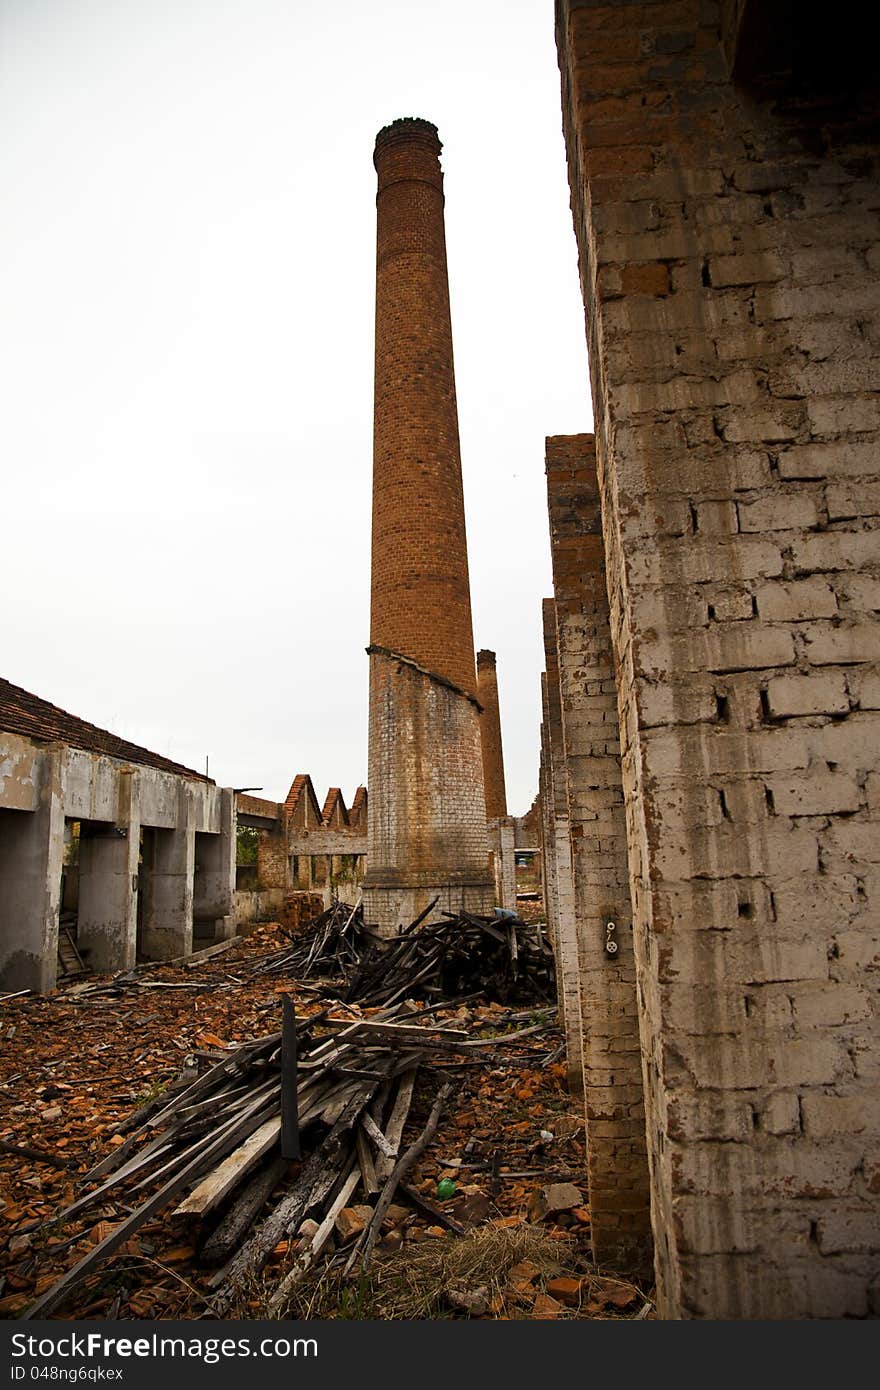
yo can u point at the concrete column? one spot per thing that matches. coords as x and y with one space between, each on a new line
31 856
214 878
490 736
108 883
427 807
167 887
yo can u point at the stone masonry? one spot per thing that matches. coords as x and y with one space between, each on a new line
427 810
728 245
612 1067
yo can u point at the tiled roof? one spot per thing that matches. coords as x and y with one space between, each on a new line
28 715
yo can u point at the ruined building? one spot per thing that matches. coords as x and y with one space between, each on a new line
710 743
304 847
427 811
156 847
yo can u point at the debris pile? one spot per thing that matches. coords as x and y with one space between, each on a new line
130 1188
501 958
335 1101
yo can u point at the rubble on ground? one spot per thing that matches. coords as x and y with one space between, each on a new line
188 1058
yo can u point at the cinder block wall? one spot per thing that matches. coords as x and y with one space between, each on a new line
612 1066
728 248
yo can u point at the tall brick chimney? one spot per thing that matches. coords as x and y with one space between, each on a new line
426 832
490 736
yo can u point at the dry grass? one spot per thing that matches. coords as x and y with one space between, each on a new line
415 1282
423 1281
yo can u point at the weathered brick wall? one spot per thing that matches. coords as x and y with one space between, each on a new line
490 736
420 599
557 853
728 254
528 827
301 805
426 834
272 862
427 808
548 857
612 1067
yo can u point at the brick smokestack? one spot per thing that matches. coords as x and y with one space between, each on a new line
426 813
490 736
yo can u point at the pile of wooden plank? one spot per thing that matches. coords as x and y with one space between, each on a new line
330 1095
503 959
333 944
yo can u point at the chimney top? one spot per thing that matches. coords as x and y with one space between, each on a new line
405 129
485 658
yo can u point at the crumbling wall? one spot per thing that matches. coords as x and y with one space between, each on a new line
728 243
273 868
612 1067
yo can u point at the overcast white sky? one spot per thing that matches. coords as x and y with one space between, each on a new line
186 354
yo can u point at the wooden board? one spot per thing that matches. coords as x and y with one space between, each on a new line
217 1185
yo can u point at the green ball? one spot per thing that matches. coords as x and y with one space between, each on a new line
445 1189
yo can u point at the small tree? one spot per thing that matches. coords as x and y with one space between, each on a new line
246 848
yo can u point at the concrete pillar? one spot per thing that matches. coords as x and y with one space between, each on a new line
214 878
558 847
167 887
108 883
501 846
490 736
617 1161
427 809
31 856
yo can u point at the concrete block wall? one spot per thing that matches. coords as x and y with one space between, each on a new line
728 244
612 1065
